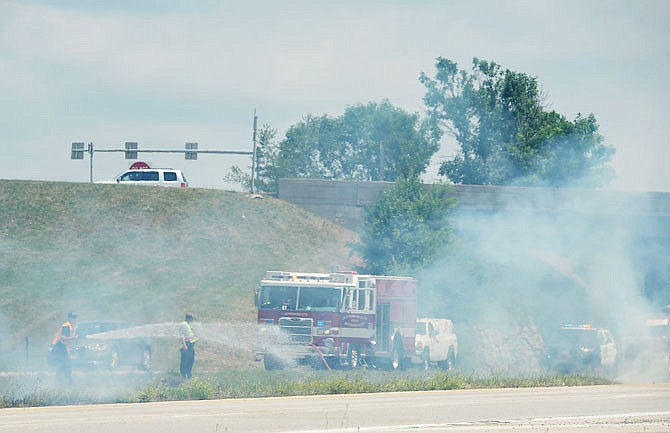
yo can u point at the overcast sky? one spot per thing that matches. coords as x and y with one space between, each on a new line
163 73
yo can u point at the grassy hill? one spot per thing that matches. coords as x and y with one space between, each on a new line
147 254
144 255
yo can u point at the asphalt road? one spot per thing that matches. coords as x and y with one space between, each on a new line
619 408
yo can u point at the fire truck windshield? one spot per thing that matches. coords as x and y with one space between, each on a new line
300 298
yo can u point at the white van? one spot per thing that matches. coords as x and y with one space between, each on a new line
153 176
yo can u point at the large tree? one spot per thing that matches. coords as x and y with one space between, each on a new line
375 141
506 136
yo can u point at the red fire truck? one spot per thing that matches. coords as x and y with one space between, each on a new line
335 319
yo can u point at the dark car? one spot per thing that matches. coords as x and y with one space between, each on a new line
109 344
580 349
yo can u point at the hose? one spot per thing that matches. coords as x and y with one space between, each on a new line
323 358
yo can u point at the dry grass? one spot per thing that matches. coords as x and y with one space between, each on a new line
144 255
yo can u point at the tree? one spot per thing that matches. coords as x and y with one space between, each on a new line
266 151
504 133
368 142
405 227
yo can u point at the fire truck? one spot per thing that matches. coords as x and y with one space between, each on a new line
339 319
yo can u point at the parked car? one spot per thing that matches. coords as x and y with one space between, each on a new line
106 344
581 349
152 176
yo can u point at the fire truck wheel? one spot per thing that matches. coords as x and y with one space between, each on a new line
272 363
353 357
397 357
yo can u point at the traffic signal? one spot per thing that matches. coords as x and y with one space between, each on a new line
131 150
191 155
77 151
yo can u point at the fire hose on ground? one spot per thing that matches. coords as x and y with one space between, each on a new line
323 358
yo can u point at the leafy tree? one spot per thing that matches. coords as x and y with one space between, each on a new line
504 133
406 227
376 141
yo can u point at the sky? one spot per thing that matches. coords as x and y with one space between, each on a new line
165 73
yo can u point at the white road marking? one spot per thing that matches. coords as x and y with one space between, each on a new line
514 424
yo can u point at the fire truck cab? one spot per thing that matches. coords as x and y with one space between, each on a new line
335 319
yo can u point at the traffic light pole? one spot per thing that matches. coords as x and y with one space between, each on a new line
131 151
90 159
190 152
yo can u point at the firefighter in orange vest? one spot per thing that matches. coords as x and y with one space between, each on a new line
60 347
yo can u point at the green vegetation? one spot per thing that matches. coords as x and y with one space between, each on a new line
499 119
375 141
505 134
406 227
254 384
144 255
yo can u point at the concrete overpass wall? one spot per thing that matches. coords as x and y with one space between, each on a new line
344 202
583 219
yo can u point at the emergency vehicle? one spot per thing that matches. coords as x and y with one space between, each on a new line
581 349
335 319
649 348
658 348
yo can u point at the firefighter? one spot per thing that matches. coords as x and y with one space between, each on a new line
187 349
60 347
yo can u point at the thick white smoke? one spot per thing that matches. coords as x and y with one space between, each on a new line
532 263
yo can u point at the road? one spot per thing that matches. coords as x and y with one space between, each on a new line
619 408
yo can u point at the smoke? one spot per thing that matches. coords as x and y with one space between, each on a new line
540 260
220 345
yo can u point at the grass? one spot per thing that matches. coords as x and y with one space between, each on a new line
256 384
143 255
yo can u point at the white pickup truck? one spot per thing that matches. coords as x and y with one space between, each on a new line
435 343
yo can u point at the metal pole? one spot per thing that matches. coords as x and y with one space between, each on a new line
253 157
381 161
90 153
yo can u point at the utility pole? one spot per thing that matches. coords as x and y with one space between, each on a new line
381 161
90 152
253 157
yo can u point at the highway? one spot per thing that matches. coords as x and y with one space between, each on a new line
617 408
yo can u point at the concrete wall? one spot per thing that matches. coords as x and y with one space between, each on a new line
601 215
344 202
340 201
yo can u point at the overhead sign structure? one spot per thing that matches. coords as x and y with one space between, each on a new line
131 151
191 151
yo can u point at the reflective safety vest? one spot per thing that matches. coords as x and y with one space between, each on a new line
60 332
187 333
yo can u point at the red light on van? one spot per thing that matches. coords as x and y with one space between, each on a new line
139 165
183 185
